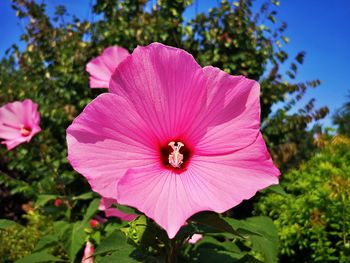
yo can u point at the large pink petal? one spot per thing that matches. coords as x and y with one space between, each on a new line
160 194
166 86
102 67
232 115
106 139
210 183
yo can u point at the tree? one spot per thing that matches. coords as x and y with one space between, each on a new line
342 119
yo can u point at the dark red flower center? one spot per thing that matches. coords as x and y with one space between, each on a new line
25 131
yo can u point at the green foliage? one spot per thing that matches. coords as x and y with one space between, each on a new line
313 218
143 241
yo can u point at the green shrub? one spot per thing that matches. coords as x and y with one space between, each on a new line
18 241
313 218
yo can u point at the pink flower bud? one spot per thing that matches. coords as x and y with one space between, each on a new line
88 252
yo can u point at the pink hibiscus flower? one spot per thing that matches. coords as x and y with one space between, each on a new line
172 138
106 206
19 122
102 67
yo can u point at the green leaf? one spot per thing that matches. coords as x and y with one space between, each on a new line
248 259
96 236
211 242
85 196
74 238
120 256
60 227
5 223
91 210
213 223
114 242
114 226
126 209
39 257
278 189
43 199
46 242
241 227
143 232
209 255
267 243
262 233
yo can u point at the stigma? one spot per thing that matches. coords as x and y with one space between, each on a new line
176 158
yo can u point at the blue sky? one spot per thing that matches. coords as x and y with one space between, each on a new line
321 28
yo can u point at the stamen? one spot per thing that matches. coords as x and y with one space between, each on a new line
176 158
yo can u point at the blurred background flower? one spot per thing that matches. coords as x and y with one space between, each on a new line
19 122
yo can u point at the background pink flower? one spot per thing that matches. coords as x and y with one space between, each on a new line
172 138
19 122
102 67
106 206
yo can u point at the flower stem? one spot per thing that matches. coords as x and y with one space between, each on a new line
172 255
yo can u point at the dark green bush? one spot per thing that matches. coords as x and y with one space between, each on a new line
313 219
342 118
